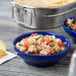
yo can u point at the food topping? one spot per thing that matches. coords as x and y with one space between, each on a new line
71 23
37 44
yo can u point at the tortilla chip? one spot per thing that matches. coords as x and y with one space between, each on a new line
2 49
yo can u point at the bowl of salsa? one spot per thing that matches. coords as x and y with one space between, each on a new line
69 26
41 49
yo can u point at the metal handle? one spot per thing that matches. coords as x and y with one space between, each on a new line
18 21
13 12
59 13
29 12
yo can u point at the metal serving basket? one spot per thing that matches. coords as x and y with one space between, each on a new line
34 17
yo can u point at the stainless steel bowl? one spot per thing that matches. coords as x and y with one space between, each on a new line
34 17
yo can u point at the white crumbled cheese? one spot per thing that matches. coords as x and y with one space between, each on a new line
35 37
22 48
62 48
57 40
53 37
22 42
17 45
31 40
47 46
44 52
31 48
39 41
57 47
69 21
45 42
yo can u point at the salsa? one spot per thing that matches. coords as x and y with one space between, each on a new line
37 44
71 23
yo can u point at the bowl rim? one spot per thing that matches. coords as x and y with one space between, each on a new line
50 33
66 26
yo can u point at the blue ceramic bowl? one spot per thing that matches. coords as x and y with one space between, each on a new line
69 31
42 61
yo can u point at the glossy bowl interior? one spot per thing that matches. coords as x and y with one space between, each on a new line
69 31
42 61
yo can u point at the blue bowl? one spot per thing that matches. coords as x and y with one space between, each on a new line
41 61
69 31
